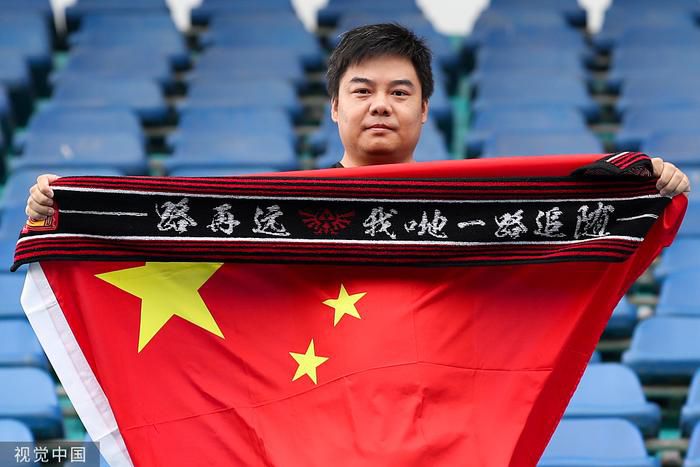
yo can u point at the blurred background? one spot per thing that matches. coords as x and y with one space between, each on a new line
223 87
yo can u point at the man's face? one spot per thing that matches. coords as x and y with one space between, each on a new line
379 111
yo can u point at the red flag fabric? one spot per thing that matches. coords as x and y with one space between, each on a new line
354 340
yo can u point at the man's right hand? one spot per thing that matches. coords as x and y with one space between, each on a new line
40 201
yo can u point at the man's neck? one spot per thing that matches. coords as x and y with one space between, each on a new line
350 160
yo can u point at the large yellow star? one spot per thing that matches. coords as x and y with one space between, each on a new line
344 304
308 362
167 290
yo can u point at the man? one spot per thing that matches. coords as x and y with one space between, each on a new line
380 82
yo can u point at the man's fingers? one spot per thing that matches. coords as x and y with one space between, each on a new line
672 187
38 211
43 183
667 173
658 164
39 197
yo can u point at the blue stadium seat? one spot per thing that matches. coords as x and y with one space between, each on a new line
640 122
331 14
233 121
219 171
565 39
28 34
154 35
11 285
284 32
683 91
519 59
531 143
227 150
227 63
542 118
14 431
629 60
115 63
90 120
42 7
6 120
681 147
83 8
29 395
680 294
123 151
623 320
611 390
19 346
682 255
142 96
208 9
692 459
665 347
617 24
15 76
595 357
570 8
690 414
258 94
596 442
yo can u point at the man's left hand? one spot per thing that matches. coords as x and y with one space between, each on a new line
671 180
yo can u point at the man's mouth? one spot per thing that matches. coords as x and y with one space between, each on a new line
379 126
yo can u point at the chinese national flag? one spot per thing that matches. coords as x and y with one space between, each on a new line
297 363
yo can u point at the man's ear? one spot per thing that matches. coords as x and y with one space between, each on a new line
425 104
334 109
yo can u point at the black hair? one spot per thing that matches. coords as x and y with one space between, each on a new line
375 40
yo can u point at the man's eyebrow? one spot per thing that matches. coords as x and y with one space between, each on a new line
359 79
403 82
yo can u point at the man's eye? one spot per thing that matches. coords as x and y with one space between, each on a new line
400 93
361 91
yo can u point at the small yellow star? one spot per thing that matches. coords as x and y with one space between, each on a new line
344 304
308 362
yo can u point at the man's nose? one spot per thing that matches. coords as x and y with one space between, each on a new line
380 106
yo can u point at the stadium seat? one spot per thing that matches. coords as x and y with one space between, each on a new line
123 32
123 151
14 431
265 31
530 37
29 395
208 9
15 76
665 347
683 254
530 143
623 320
234 121
611 390
115 63
258 94
690 414
76 12
219 171
519 59
6 120
228 150
640 93
617 23
543 118
19 346
596 443
331 14
90 120
570 8
226 63
11 285
640 122
28 34
143 96
681 147
680 294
